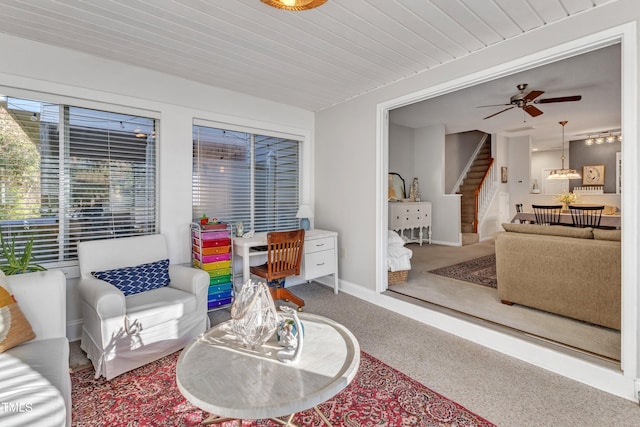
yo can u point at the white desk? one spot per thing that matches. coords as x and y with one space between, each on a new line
217 374
320 256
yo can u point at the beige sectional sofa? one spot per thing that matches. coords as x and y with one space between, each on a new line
574 272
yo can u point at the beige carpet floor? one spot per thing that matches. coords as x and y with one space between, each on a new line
482 302
506 391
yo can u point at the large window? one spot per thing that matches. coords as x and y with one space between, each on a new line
239 176
69 174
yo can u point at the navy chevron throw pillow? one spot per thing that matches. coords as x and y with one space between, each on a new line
141 278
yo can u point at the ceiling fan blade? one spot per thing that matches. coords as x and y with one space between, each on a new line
492 105
560 99
532 111
495 114
533 95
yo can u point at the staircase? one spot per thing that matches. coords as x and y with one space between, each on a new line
468 189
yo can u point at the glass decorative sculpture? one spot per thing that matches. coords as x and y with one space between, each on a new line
253 313
291 337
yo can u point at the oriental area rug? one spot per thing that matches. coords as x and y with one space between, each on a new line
480 271
148 396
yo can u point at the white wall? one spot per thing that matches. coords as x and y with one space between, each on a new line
401 151
351 128
519 167
458 150
34 70
544 160
429 158
420 153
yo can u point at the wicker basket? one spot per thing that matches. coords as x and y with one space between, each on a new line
397 277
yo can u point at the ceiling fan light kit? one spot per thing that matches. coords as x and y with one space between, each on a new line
563 173
294 4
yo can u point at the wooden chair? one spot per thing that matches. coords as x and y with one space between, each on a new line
284 256
519 210
586 216
547 214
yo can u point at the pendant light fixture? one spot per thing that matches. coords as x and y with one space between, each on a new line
294 4
563 173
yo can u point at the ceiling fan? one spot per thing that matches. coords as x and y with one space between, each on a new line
523 100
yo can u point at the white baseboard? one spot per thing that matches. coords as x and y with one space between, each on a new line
74 330
443 243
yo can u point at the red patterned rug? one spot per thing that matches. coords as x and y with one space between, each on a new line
378 396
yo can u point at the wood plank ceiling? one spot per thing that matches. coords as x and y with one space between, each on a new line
312 59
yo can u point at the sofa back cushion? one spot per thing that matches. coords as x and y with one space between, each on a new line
109 254
613 235
550 230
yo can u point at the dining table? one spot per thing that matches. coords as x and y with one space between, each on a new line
613 220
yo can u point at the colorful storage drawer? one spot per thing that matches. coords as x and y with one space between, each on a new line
212 251
219 303
220 288
213 235
211 243
219 272
220 295
212 258
212 265
215 280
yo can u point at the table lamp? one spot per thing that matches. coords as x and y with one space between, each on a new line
304 213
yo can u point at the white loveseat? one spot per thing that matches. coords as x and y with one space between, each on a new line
121 333
35 385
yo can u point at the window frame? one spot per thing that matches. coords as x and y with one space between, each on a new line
305 169
70 101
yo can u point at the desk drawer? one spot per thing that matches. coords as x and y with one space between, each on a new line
320 263
316 245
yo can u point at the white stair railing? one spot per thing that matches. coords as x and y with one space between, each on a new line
486 191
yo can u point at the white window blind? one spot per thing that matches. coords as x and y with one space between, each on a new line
240 176
71 174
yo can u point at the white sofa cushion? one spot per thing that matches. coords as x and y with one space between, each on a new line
35 384
160 305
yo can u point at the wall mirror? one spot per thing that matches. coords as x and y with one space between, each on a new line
396 187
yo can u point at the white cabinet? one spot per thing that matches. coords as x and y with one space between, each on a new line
319 257
411 220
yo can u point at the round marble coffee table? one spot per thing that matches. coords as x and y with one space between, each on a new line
218 375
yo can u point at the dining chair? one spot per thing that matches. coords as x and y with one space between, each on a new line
520 210
284 256
547 214
586 216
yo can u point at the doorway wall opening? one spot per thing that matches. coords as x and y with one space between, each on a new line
556 361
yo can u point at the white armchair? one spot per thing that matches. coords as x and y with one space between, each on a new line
121 333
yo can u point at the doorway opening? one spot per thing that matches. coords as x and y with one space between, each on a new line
626 37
